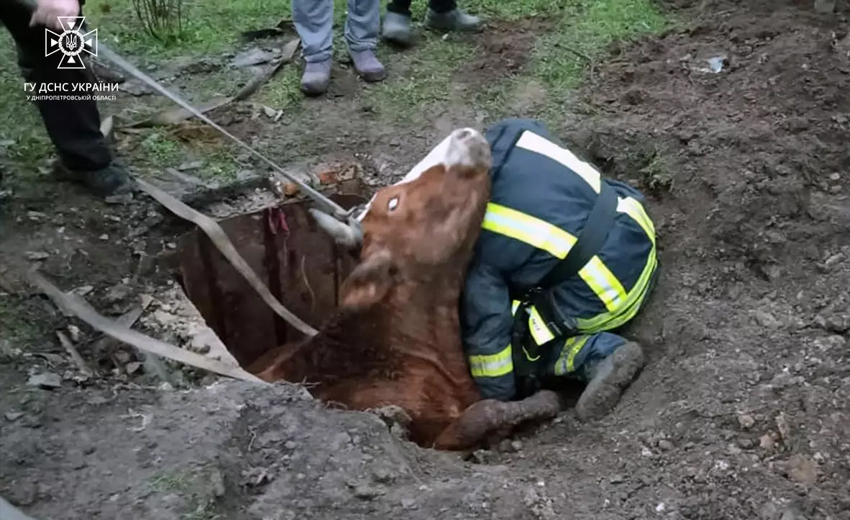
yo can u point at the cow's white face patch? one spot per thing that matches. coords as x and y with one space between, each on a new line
459 150
450 151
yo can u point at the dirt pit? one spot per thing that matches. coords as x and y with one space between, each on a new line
299 263
742 411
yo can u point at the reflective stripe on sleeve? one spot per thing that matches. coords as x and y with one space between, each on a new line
538 144
566 361
493 365
527 229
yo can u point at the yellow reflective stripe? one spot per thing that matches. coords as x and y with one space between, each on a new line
631 304
603 282
612 320
566 361
528 229
635 210
539 331
493 365
528 356
535 143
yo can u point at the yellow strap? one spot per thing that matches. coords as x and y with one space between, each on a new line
514 306
566 361
539 331
538 144
493 365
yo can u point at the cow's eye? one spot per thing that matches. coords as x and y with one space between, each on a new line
392 204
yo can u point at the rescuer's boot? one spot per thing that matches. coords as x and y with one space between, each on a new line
607 379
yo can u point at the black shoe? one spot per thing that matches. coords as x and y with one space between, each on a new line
106 182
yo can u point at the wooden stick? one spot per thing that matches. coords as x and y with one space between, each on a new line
74 353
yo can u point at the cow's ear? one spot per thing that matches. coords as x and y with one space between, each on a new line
369 282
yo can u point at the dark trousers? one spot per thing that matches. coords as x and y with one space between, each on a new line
438 6
73 125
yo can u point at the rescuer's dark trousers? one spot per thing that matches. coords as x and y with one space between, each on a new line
438 6
73 125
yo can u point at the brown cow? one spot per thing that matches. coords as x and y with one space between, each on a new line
395 340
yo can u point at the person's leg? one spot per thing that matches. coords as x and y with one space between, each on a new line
399 7
361 34
73 125
608 364
397 24
444 15
314 23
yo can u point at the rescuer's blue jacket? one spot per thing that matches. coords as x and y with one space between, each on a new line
541 197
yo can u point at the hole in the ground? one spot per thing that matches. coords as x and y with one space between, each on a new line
299 263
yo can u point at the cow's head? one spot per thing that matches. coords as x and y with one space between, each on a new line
423 227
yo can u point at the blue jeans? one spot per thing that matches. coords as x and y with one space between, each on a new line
314 23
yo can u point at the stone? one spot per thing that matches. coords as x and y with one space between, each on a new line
782 426
13 416
367 492
803 470
746 421
766 319
45 380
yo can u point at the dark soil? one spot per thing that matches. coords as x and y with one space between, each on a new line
742 411
503 51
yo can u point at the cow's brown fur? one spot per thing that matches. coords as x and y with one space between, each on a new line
396 337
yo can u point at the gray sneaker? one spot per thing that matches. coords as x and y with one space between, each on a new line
455 20
367 65
316 77
106 182
398 29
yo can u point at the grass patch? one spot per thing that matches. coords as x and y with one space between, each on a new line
196 486
514 10
420 79
160 149
588 28
20 122
171 482
208 25
283 92
657 175
18 329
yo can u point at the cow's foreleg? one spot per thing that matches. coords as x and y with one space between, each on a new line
484 418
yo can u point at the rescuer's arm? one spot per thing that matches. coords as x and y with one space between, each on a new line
487 323
47 12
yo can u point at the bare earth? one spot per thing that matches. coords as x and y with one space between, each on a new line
742 411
